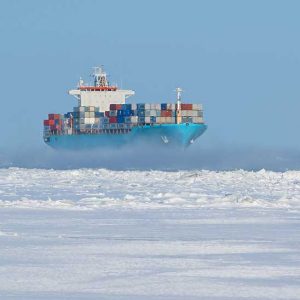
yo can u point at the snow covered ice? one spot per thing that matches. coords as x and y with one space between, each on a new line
101 234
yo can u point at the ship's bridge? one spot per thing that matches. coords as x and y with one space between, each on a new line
100 94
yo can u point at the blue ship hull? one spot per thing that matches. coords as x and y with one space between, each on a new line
181 135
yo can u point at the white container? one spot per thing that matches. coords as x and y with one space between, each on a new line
152 106
134 119
171 106
163 120
197 120
92 108
183 113
153 113
133 106
81 109
199 113
197 106
147 106
147 120
147 113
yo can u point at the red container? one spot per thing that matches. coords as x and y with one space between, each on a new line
112 119
51 122
166 113
113 107
118 106
54 116
185 106
107 112
46 123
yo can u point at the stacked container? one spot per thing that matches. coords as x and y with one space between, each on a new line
122 117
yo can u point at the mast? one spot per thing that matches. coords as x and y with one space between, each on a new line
178 105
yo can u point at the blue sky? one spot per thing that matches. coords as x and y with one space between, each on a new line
241 59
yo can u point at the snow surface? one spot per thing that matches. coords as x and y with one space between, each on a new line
101 234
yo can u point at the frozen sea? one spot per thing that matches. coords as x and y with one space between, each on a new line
102 234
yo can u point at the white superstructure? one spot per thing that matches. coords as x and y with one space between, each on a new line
100 94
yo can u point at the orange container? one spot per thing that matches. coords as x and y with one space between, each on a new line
185 106
166 113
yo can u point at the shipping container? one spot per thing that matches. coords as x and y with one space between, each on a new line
153 119
185 106
163 106
141 120
134 119
166 113
113 113
120 119
112 119
140 106
141 113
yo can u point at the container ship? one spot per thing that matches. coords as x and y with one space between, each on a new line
104 118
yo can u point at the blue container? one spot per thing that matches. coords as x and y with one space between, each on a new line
105 120
141 113
127 112
140 106
113 125
153 119
99 114
127 119
120 113
120 119
163 106
141 120
126 106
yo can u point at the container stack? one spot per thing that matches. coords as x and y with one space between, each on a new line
191 113
85 117
54 124
122 117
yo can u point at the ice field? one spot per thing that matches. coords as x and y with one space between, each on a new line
101 234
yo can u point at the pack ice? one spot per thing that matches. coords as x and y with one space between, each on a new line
102 234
